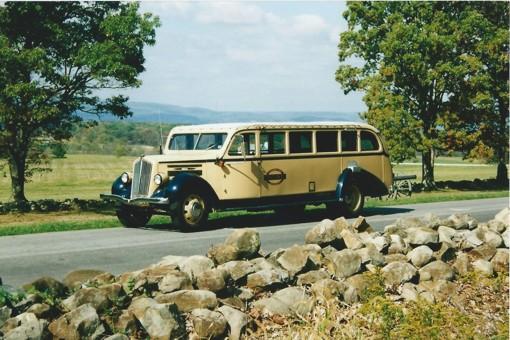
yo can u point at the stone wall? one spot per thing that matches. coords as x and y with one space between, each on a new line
227 292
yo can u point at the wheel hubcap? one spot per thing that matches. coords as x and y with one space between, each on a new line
193 209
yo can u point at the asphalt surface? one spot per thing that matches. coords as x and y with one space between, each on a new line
26 257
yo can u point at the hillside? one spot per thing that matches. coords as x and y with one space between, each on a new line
173 114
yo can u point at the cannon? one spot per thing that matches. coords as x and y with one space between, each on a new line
402 186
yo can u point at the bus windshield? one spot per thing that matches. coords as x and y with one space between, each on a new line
196 141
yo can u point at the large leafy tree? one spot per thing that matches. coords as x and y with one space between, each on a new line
55 57
421 68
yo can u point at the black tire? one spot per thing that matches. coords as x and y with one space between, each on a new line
353 200
192 212
133 218
290 211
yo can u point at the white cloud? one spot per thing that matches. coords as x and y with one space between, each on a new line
307 24
229 13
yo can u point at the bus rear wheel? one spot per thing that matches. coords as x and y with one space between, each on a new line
353 200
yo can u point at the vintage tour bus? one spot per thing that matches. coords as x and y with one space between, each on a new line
280 166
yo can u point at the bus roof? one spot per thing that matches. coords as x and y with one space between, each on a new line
234 127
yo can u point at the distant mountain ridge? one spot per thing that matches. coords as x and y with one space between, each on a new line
154 112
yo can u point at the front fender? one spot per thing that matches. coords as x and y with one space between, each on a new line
183 183
121 189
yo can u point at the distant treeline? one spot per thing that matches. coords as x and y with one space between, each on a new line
117 138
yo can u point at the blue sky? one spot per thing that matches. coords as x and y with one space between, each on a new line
249 56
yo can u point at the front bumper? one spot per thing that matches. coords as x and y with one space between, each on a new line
139 201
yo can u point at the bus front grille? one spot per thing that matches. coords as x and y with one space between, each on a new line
141 179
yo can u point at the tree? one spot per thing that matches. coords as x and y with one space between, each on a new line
417 60
54 59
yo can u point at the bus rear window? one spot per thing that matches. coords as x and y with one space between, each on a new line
349 141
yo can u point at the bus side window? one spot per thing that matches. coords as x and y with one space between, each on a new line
349 141
300 142
368 141
272 143
249 145
326 141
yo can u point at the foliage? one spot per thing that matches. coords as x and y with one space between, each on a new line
55 57
375 286
118 138
10 298
422 68
58 150
414 320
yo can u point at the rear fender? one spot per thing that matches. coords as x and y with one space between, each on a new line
367 182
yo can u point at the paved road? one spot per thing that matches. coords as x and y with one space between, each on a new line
26 257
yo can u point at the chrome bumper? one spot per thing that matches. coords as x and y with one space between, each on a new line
140 201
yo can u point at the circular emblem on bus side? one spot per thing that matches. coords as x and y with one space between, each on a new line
275 176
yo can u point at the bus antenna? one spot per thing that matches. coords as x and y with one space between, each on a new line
160 133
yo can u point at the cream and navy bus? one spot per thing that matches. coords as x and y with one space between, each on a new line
280 166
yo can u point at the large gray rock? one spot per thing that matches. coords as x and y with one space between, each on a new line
500 261
437 270
422 236
397 245
351 239
236 319
447 252
40 310
93 296
171 260
298 259
420 256
495 225
356 286
409 292
208 324
76 278
80 323
360 225
238 270
343 263
173 281
461 221
489 237
327 232
327 289
246 240
26 326
187 300
288 301
396 273
506 237
158 320
484 252
222 253
395 258
194 265
311 277
48 285
5 314
504 217
369 254
410 222
265 279
462 264
441 290
381 243
483 267
213 280
446 234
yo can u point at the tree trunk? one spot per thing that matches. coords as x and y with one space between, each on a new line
502 172
17 164
427 169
